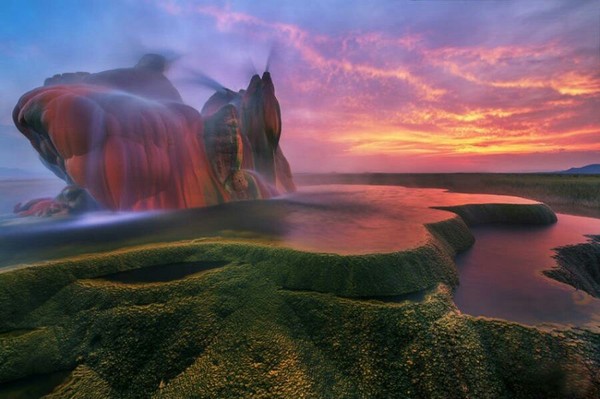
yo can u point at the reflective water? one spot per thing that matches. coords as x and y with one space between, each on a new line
501 275
369 219
336 219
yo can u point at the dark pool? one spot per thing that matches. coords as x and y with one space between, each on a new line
34 386
163 273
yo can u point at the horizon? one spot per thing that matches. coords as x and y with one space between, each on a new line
22 174
393 87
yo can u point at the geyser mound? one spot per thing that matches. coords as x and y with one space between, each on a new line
124 138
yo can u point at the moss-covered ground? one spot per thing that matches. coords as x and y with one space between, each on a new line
274 322
579 266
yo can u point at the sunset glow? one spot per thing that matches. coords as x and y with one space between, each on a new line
399 86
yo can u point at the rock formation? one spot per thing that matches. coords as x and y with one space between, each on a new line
125 137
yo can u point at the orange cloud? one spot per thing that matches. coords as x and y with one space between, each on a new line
466 62
372 93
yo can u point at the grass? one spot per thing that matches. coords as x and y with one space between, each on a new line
573 194
273 322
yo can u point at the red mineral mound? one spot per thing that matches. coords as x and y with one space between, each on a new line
125 138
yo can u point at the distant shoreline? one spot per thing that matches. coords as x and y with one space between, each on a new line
573 194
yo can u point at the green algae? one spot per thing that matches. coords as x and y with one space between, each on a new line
579 266
245 329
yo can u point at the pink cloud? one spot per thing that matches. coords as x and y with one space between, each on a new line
372 98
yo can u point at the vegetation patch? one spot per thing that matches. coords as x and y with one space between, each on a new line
274 322
233 333
579 266
163 273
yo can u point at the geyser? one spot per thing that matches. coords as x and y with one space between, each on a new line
124 138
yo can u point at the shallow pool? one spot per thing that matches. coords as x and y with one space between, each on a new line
501 275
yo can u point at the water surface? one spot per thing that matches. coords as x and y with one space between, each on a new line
501 275
340 219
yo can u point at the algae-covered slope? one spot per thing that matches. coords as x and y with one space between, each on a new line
579 266
26 289
257 319
234 333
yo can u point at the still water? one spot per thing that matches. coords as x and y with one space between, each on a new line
499 277
342 219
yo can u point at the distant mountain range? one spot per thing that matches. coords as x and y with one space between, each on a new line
593 169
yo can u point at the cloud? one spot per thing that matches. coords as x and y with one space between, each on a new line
361 84
404 94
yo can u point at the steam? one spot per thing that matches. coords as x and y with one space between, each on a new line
274 52
269 58
200 78
252 70
195 76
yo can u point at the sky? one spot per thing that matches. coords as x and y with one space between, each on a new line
364 86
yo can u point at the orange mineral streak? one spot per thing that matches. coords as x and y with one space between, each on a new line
128 152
